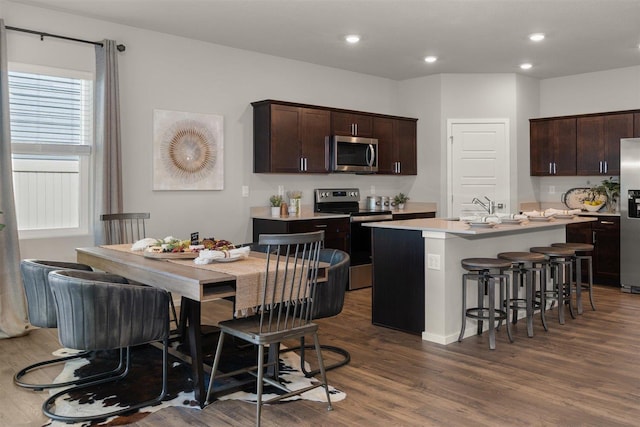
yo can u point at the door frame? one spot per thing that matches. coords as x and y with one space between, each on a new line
450 124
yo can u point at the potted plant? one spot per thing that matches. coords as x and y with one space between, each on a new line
294 201
611 189
399 200
276 201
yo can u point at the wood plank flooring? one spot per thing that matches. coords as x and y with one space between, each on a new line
585 373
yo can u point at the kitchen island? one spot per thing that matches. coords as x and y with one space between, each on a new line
417 274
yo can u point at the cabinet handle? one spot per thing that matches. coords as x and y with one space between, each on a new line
593 237
398 163
306 164
302 164
606 167
554 168
550 169
600 166
607 222
321 226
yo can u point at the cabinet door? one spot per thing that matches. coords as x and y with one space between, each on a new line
606 256
564 146
590 149
540 148
315 127
351 124
336 231
285 138
383 131
616 127
636 125
404 137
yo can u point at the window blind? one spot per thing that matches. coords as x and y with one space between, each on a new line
47 109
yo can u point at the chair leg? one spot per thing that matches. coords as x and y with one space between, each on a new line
259 384
214 368
578 272
464 307
590 268
323 374
492 314
50 402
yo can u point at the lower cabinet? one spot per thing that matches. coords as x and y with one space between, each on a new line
336 230
604 234
398 288
414 215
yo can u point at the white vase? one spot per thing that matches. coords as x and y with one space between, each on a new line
275 210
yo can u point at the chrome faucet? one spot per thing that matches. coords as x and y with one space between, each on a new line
490 207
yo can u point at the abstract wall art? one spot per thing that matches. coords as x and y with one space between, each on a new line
188 151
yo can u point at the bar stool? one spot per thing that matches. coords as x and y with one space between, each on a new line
480 270
559 261
585 250
523 267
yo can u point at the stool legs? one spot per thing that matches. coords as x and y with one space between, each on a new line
580 285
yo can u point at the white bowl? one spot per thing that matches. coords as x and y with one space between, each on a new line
592 208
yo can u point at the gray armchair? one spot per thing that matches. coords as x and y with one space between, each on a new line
42 313
96 311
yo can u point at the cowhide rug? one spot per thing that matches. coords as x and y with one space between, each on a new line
145 377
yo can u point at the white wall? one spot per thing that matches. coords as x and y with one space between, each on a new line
160 71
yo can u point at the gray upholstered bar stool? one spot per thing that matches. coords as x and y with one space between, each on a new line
524 265
560 265
480 269
582 253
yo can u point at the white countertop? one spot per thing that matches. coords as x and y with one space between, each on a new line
307 212
462 228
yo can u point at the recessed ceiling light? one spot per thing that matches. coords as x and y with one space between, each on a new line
352 38
526 66
536 37
430 59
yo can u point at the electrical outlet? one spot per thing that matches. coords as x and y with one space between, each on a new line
280 190
433 261
372 190
245 191
552 189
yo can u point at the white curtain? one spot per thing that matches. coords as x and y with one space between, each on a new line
13 306
108 154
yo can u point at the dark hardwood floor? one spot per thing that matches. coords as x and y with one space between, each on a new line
585 373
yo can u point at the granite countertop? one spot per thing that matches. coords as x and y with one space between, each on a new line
460 227
307 212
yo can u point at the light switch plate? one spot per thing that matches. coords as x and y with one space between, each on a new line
245 191
433 261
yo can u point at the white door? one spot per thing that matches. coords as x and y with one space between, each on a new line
478 160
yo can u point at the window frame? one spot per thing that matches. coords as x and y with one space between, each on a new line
84 152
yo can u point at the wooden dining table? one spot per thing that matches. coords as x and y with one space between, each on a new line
195 284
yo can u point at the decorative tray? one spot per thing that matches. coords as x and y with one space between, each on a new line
573 198
171 255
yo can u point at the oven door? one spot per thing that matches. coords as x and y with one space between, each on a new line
360 250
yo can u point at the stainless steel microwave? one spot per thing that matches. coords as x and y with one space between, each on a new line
354 154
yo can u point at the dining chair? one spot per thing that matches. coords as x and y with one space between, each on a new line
287 295
121 228
97 311
42 313
328 302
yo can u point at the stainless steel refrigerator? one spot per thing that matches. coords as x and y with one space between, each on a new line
630 214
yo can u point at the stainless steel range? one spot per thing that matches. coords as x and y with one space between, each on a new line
347 201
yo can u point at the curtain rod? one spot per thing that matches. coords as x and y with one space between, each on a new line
120 47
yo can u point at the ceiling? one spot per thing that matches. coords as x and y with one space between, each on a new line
468 36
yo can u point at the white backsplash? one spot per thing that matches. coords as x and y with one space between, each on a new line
551 189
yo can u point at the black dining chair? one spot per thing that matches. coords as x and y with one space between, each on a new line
97 311
286 304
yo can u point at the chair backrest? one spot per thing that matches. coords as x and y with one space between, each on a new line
120 228
40 304
330 294
101 311
289 285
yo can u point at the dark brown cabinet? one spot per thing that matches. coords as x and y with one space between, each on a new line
351 124
604 234
636 125
336 230
290 139
397 146
598 143
553 146
413 215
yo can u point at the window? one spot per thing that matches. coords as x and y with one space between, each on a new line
51 114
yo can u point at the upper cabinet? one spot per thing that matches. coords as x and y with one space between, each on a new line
351 124
553 146
293 138
599 143
587 144
290 139
396 145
